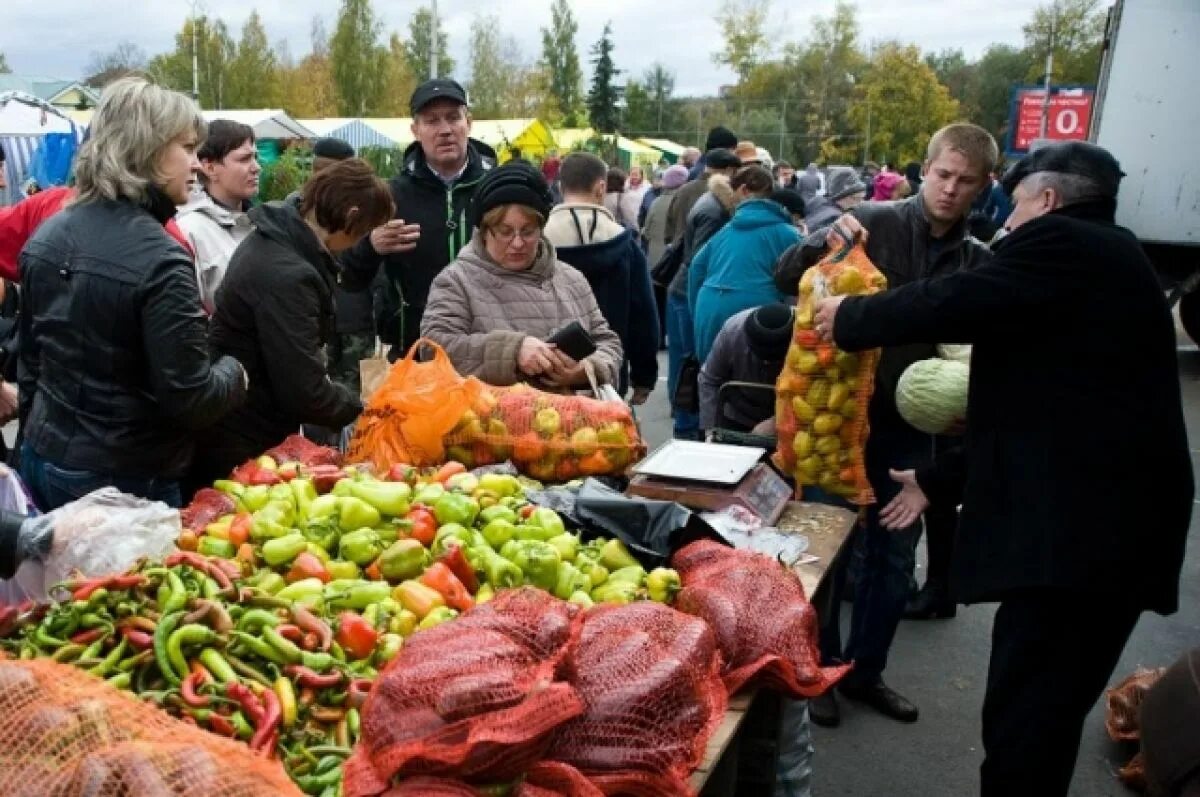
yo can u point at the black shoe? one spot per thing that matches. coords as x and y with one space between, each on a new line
881 698
930 604
824 710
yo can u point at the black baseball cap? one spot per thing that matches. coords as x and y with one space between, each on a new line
1069 157
440 88
721 159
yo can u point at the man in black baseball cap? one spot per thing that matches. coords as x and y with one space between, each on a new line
433 193
1053 525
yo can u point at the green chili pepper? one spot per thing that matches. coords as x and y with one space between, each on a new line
567 546
284 549
192 634
318 661
285 647
570 581
93 650
451 534
390 498
389 646
259 648
216 664
356 594
68 651
176 594
240 724
121 680
162 633
270 582
110 661
256 618
354 720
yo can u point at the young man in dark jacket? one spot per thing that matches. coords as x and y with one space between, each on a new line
916 238
432 194
586 236
1054 475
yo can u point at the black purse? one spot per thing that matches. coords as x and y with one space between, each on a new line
687 389
668 264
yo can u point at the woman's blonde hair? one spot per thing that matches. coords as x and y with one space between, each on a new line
133 124
494 216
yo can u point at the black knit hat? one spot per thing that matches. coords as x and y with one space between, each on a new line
332 148
720 138
514 183
790 199
769 331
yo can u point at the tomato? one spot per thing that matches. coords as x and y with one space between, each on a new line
356 636
424 525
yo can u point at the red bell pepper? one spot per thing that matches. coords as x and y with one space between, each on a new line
456 560
356 636
424 525
307 565
441 578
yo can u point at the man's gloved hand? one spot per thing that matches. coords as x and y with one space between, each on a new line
21 539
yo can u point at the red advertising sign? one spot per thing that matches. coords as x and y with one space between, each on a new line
1067 119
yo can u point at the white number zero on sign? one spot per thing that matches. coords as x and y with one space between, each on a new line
1067 121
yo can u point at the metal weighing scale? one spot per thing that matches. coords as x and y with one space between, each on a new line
712 477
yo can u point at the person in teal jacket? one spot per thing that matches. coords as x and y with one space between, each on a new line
733 271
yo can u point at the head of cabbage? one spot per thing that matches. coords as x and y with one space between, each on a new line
932 394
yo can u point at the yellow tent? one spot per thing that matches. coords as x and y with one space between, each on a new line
531 136
570 137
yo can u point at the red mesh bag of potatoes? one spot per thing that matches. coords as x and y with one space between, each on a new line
764 625
475 699
64 732
549 437
650 678
822 392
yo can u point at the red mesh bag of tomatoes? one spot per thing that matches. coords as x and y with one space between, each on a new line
64 732
476 699
822 392
549 437
728 589
650 677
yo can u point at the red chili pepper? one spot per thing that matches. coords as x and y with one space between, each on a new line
87 637
306 565
356 693
269 724
250 703
189 558
228 567
306 677
187 690
526 511
138 623
290 632
356 636
310 641
139 639
456 560
311 623
221 726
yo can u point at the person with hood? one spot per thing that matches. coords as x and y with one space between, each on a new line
734 270
845 191
586 236
432 194
494 307
1053 524
214 219
115 375
809 183
275 313
750 347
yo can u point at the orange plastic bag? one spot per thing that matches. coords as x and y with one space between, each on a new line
550 437
823 392
65 732
410 413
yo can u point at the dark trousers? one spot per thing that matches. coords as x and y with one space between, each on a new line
1052 655
940 525
51 486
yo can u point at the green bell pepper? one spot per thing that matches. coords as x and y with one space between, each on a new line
634 574
361 547
614 555
498 531
355 594
403 559
323 532
428 494
308 592
214 546
498 571
437 616
456 508
501 484
390 498
621 592
596 572
303 493
256 497
581 598
387 648
270 582
570 581
231 488
547 519
342 488
343 570
463 482
282 493
284 549
355 513
567 545
451 534
539 562
497 512
323 506
662 584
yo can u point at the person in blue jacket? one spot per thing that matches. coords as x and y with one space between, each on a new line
734 270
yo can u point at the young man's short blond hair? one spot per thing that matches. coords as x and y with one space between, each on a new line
971 141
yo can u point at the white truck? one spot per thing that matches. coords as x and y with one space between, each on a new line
1148 116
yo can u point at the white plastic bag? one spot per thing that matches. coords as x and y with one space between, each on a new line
101 534
13 498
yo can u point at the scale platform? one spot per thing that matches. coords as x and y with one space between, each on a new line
712 477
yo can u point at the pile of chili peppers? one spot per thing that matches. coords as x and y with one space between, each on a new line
194 637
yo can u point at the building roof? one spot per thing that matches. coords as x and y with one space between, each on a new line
268 123
45 87
355 132
664 144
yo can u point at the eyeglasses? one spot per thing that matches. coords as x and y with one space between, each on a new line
506 236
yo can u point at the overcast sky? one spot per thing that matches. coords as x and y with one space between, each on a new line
57 38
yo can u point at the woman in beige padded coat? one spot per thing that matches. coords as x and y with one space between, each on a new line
493 308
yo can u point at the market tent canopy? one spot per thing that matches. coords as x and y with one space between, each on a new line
634 154
395 128
571 137
355 132
266 123
670 150
531 136
23 114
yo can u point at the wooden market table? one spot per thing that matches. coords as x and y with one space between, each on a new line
827 529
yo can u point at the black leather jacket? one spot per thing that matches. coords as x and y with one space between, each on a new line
115 374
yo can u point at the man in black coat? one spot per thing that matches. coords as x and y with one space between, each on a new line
432 194
1076 482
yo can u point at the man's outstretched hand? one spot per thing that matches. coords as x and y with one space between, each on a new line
903 510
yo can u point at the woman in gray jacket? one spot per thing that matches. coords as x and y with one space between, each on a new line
493 308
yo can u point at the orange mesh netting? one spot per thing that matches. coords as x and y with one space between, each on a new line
1125 700
650 677
474 699
65 733
765 627
822 392
426 413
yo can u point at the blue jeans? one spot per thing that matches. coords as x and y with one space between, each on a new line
884 582
52 486
680 345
